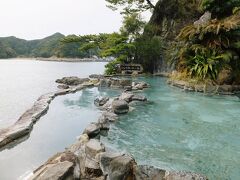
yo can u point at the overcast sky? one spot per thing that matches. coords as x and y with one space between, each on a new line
33 19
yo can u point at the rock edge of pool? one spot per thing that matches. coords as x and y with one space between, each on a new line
88 158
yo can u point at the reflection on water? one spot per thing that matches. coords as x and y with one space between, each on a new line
56 130
182 131
23 81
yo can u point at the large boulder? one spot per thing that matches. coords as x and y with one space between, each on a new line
92 130
111 117
61 166
142 172
100 101
120 83
117 166
105 83
63 86
72 81
126 96
129 97
93 149
105 119
120 107
139 85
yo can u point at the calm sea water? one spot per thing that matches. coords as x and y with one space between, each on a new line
182 131
23 81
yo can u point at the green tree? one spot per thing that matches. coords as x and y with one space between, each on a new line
220 8
131 6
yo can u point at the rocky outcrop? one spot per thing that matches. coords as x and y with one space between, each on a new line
116 83
72 81
120 83
100 101
166 22
129 97
143 172
97 76
204 19
92 130
63 86
148 173
139 85
207 88
60 166
117 166
105 83
105 119
87 158
24 124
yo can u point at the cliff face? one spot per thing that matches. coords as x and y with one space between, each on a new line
168 18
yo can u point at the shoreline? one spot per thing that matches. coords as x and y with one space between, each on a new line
229 90
55 59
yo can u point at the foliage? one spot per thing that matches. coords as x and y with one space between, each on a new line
112 67
207 64
208 48
148 49
6 52
131 6
133 25
50 46
220 8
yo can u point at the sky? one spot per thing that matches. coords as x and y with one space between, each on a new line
35 19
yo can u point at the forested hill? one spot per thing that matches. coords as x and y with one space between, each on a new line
11 47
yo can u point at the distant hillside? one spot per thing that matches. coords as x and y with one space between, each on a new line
11 47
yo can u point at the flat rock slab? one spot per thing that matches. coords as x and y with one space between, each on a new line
129 97
24 124
72 80
60 166
56 171
96 76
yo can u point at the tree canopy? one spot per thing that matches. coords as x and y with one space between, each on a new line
131 6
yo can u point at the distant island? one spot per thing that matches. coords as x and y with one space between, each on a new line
51 46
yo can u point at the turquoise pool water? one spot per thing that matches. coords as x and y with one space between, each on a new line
177 130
